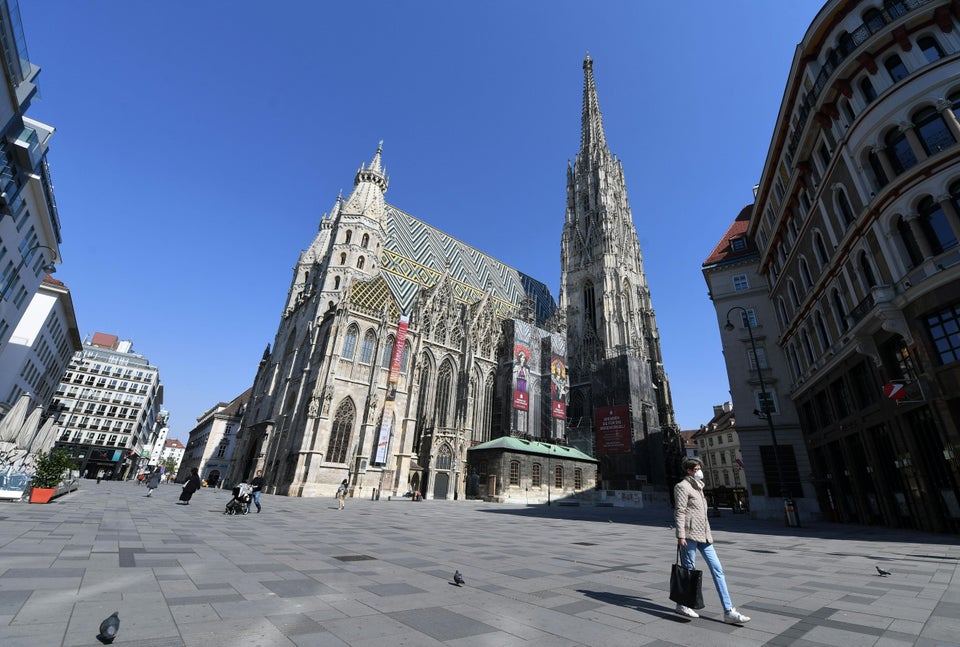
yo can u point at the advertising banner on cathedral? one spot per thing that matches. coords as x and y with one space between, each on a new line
386 423
522 377
558 387
612 425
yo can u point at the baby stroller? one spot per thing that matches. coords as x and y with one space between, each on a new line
241 499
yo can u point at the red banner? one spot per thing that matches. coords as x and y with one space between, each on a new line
612 429
383 439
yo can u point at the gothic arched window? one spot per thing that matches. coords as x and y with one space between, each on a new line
347 236
388 352
444 386
360 263
365 240
366 348
590 305
343 258
422 403
336 283
350 342
340 433
444 458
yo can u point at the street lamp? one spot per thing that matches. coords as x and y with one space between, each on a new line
47 267
765 412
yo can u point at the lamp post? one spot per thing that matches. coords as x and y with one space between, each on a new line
48 267
765 412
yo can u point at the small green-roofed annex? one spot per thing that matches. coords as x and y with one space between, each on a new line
534 447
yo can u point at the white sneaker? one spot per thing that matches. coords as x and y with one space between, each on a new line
686 611
734 617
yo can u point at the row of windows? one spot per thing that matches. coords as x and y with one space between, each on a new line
368 346
113 440
709 441
536 478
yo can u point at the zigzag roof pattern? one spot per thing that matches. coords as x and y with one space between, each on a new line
417 255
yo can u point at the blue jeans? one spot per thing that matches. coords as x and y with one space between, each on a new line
254 500
688 556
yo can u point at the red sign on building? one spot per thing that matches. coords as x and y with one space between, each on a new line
612 430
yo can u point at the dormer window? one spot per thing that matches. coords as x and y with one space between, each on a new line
738 244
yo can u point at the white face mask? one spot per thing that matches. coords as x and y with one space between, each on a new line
698 475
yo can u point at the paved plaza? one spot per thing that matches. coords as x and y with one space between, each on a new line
379 573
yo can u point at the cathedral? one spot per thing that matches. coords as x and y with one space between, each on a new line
401 348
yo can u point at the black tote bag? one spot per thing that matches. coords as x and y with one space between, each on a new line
685 585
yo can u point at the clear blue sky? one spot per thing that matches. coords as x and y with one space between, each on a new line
199 143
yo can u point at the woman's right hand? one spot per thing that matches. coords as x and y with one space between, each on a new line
683 542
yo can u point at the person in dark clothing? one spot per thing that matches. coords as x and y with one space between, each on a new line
191 486
257 484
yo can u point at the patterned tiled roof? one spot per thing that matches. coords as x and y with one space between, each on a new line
417 254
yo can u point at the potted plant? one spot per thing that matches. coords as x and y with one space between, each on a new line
47 474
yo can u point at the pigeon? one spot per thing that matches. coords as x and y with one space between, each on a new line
881 572
457 578
109 628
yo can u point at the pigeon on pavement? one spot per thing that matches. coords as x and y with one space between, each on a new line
457 578
882 572
109 628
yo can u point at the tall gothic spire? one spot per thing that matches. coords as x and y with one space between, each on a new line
592 139
370 184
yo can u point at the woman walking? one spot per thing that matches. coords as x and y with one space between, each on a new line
191 486
153 483
693 534
341 494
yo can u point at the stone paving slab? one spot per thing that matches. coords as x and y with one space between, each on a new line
303 573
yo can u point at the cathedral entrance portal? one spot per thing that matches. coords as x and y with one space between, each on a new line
441 483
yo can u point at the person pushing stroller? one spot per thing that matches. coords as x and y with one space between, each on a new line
240 501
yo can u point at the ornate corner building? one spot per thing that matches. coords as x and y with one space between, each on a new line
400 347
857 221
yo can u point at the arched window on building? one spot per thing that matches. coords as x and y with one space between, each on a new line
514 472
336 283
822 333
340 432
590 305
444 457
936 229
387 358
365 240
899 151
347 236
535 478
840 309
444 388
403 360
805 279
910 246
807 348
932 130
350 342
931 48
440 334
360 263
422 406
558 477
866 271
794 299
845 44
895 68
343 258
367 347
876 167
782 312
843 206
866 89
820 250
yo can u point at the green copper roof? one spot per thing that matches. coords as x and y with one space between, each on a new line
534 447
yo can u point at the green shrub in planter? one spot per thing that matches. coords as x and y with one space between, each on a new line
50 467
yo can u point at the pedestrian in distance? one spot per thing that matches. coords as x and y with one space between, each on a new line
341 494
191 486
257 484
693 534
99 476
153 483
